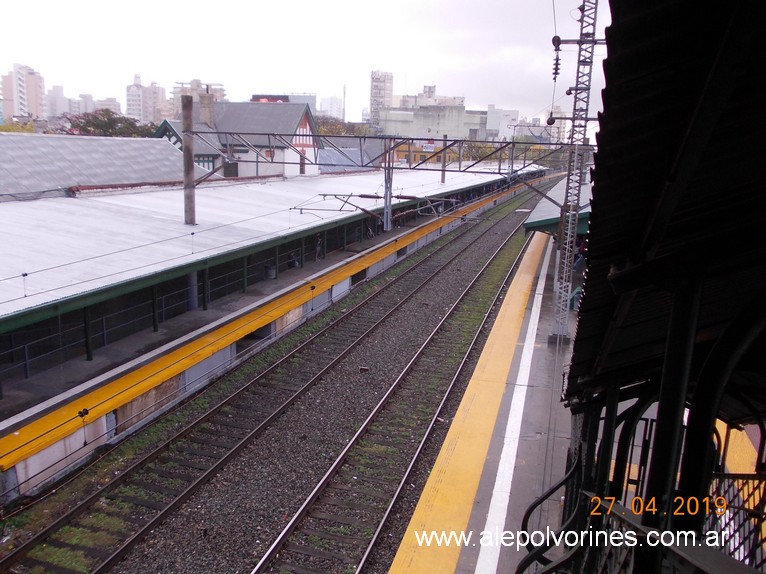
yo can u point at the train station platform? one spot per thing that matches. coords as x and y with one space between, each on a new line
507 443
23 398
131 380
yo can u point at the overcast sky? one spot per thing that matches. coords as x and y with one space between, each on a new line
489 51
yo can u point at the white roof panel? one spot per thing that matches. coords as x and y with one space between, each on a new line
36 163
546 210
55 248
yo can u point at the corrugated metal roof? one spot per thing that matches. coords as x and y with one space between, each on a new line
34 163
242 118
344 160
677 194
257 117
546 216
267 117
58 248
205 144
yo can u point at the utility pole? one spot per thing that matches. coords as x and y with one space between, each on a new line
190 217
388 178
578 155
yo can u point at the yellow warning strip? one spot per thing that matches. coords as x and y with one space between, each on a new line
52 427
65 420
448 497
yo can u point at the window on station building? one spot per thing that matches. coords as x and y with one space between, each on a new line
205 161
231 170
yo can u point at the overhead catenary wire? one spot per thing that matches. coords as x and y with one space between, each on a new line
557 60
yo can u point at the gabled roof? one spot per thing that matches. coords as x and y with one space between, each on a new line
260 117
206 144
244 118
47 165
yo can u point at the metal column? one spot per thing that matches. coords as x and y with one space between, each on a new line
88 334
670 409
388 175
155 309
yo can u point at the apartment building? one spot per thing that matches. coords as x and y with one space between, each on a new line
381 94
24 93
147 104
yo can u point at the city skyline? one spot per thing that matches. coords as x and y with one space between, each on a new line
497 53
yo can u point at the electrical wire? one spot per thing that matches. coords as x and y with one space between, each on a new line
556 61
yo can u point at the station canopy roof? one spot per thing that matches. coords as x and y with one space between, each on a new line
64 247
678 197
546 216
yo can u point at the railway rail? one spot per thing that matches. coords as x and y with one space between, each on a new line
338 524
101 529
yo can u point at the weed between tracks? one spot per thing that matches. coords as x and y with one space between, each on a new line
26 517
60 557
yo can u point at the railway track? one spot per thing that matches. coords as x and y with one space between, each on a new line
337 526
100 530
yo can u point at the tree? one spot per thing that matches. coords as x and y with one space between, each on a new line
18 127
478 150
106 123
329 126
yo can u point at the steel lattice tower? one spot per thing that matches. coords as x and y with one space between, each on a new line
578 155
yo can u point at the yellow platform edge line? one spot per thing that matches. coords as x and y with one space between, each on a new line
48 429
448 497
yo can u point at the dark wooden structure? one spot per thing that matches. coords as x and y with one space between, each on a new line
671 336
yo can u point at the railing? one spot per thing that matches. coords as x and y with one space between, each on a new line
33 357
537 554
742 524
610 538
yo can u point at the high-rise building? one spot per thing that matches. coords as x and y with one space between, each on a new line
147 104
427 97
381 94
109 104
558 129
6 96
30 92
194 89
58 103
87 104
502 124
24 93
134 97
332 107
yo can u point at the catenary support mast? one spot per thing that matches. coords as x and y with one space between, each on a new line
577 161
